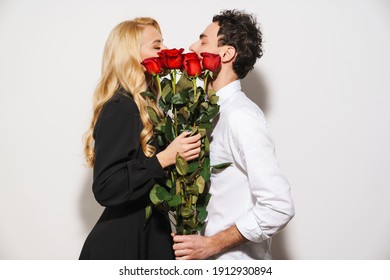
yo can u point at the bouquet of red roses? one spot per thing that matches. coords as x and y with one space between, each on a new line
185 107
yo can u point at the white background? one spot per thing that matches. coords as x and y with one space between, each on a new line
323 84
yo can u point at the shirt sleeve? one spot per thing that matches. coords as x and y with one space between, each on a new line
119 176
255 150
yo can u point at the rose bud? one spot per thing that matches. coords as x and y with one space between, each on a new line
172 58
211 61
192 64
153 65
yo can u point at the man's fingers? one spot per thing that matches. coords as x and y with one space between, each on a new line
180 238
182 253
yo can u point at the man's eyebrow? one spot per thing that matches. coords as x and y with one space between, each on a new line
201 36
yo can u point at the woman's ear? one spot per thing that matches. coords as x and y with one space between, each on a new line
228 54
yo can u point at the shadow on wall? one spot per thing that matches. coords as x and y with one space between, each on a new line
90 209
255 87
279 251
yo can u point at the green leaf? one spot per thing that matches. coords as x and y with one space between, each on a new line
169 97
178 186
162 194
181 165
194 131
148 212
202 131
202 214
191 222
163 105
192 166
184 82
214 99
153 195
149 94
204 105
192 107
160 140
200 183
180 98
194 199
202 154
206 125
212 111
153 115
207 198
185 112
221 165
186 212
206 144
203 118
200 227
169 133
166 90
205 173
180 119
192 189
160 128
169 183
174 201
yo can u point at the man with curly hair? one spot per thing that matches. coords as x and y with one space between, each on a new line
251 199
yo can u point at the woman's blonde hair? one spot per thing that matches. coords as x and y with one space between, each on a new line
121 68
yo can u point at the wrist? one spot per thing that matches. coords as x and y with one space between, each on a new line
214 245
162 159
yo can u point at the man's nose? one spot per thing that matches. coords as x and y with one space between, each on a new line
193 47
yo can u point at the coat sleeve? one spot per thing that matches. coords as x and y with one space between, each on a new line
119 176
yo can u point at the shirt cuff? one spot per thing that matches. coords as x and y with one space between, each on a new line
154 165
250 228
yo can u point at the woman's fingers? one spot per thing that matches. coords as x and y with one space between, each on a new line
193 138
192 154
192 146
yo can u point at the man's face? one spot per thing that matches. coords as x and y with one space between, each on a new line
208 40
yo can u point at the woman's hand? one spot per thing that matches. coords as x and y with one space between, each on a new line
187 147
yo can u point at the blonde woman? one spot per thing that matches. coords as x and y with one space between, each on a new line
119 145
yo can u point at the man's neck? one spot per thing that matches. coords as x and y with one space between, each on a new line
224 78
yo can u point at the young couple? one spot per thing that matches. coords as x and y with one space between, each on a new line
251 199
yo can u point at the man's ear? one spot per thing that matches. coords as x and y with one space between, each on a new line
229 54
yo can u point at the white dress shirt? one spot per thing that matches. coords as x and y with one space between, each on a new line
252 193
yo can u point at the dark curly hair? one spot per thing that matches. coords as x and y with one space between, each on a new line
241 31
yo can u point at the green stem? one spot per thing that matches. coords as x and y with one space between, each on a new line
195 100
173 79
196 97
159 86
206 87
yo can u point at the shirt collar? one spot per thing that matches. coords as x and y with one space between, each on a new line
227 91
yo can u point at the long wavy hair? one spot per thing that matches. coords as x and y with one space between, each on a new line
121 68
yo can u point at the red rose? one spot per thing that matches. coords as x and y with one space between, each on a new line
172 59
153 65
211 61
192 64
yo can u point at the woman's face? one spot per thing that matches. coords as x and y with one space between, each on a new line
151 42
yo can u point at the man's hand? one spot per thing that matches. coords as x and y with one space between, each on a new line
196 247
192 247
